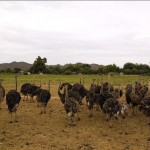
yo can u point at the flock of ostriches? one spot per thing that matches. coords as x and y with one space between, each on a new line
104 96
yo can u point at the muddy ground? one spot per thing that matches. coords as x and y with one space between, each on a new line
51 131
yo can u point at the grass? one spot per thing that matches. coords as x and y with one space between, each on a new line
116 80
9 80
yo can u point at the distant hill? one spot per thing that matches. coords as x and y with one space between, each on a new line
26 66
95 66
14 64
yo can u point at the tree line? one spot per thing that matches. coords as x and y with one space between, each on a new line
39 66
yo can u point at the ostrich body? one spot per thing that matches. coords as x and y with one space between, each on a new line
145 106
25 90
112 108
72 92
12 100
33 91
71 107
43 97
79 89
91 101
61 90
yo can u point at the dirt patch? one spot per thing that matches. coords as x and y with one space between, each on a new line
51 130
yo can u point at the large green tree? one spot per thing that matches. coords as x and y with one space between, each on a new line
39 65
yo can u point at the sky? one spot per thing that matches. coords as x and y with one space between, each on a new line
102 32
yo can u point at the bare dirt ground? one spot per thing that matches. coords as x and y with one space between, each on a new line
51 131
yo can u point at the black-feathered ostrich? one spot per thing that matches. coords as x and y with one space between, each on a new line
97 98
25 90
43 97
81 90
95 88
71 107
91 101
61 90
2 92
28 89
72 92
12 101
91 96
32 91
128 93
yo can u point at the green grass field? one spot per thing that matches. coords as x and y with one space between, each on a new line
9 79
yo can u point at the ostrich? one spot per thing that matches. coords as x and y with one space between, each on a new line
95 87
12 100
2 93
43 96
145 102
137 95
71 107
91 96
81 90
98 98
145 106
91 100
104 94
61 90
33 91
117 93
25 90
112 107
128 93
71 92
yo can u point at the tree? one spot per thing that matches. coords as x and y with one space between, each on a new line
17 70
8 70
129 66
39 65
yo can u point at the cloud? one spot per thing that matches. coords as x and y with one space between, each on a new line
69 32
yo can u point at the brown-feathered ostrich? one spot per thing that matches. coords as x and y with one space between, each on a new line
113 108
71 107
137 95
145 106
116 92
12 100
145 102
2 92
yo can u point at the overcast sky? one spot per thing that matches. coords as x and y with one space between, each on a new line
77 31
